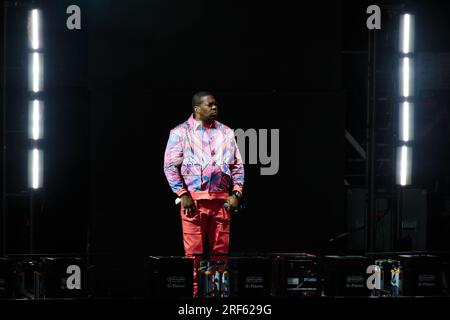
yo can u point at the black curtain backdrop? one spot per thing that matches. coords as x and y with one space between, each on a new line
270 65
115 88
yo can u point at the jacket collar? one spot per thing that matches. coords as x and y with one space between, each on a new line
196 125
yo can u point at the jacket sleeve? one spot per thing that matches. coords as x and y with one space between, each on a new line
237 168
173 157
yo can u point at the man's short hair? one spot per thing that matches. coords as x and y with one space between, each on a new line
197 99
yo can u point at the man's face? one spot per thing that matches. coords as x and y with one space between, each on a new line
207 111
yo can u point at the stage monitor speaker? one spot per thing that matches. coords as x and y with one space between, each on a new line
422 275
51 277
170 277
6 279
297 276
346 275
119 275
250 276
24 286
61 277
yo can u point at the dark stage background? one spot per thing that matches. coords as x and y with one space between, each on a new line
116 87
273 66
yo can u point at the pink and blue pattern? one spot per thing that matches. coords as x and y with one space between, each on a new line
200 160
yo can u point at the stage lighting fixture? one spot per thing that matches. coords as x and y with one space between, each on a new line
406 77
36 72
404 163
406 99
34 29
406 123
35 168
35 122
406 33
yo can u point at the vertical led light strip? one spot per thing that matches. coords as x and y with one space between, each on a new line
406 96
404 157
35 115
35 163
36 72
403 165
405 120
36 104
35 29
406 78
406 116
406 33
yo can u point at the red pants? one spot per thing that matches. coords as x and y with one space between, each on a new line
212 219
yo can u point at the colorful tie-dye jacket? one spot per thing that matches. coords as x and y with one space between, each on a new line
203 162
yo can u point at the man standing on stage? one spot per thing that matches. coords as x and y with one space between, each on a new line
202 164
